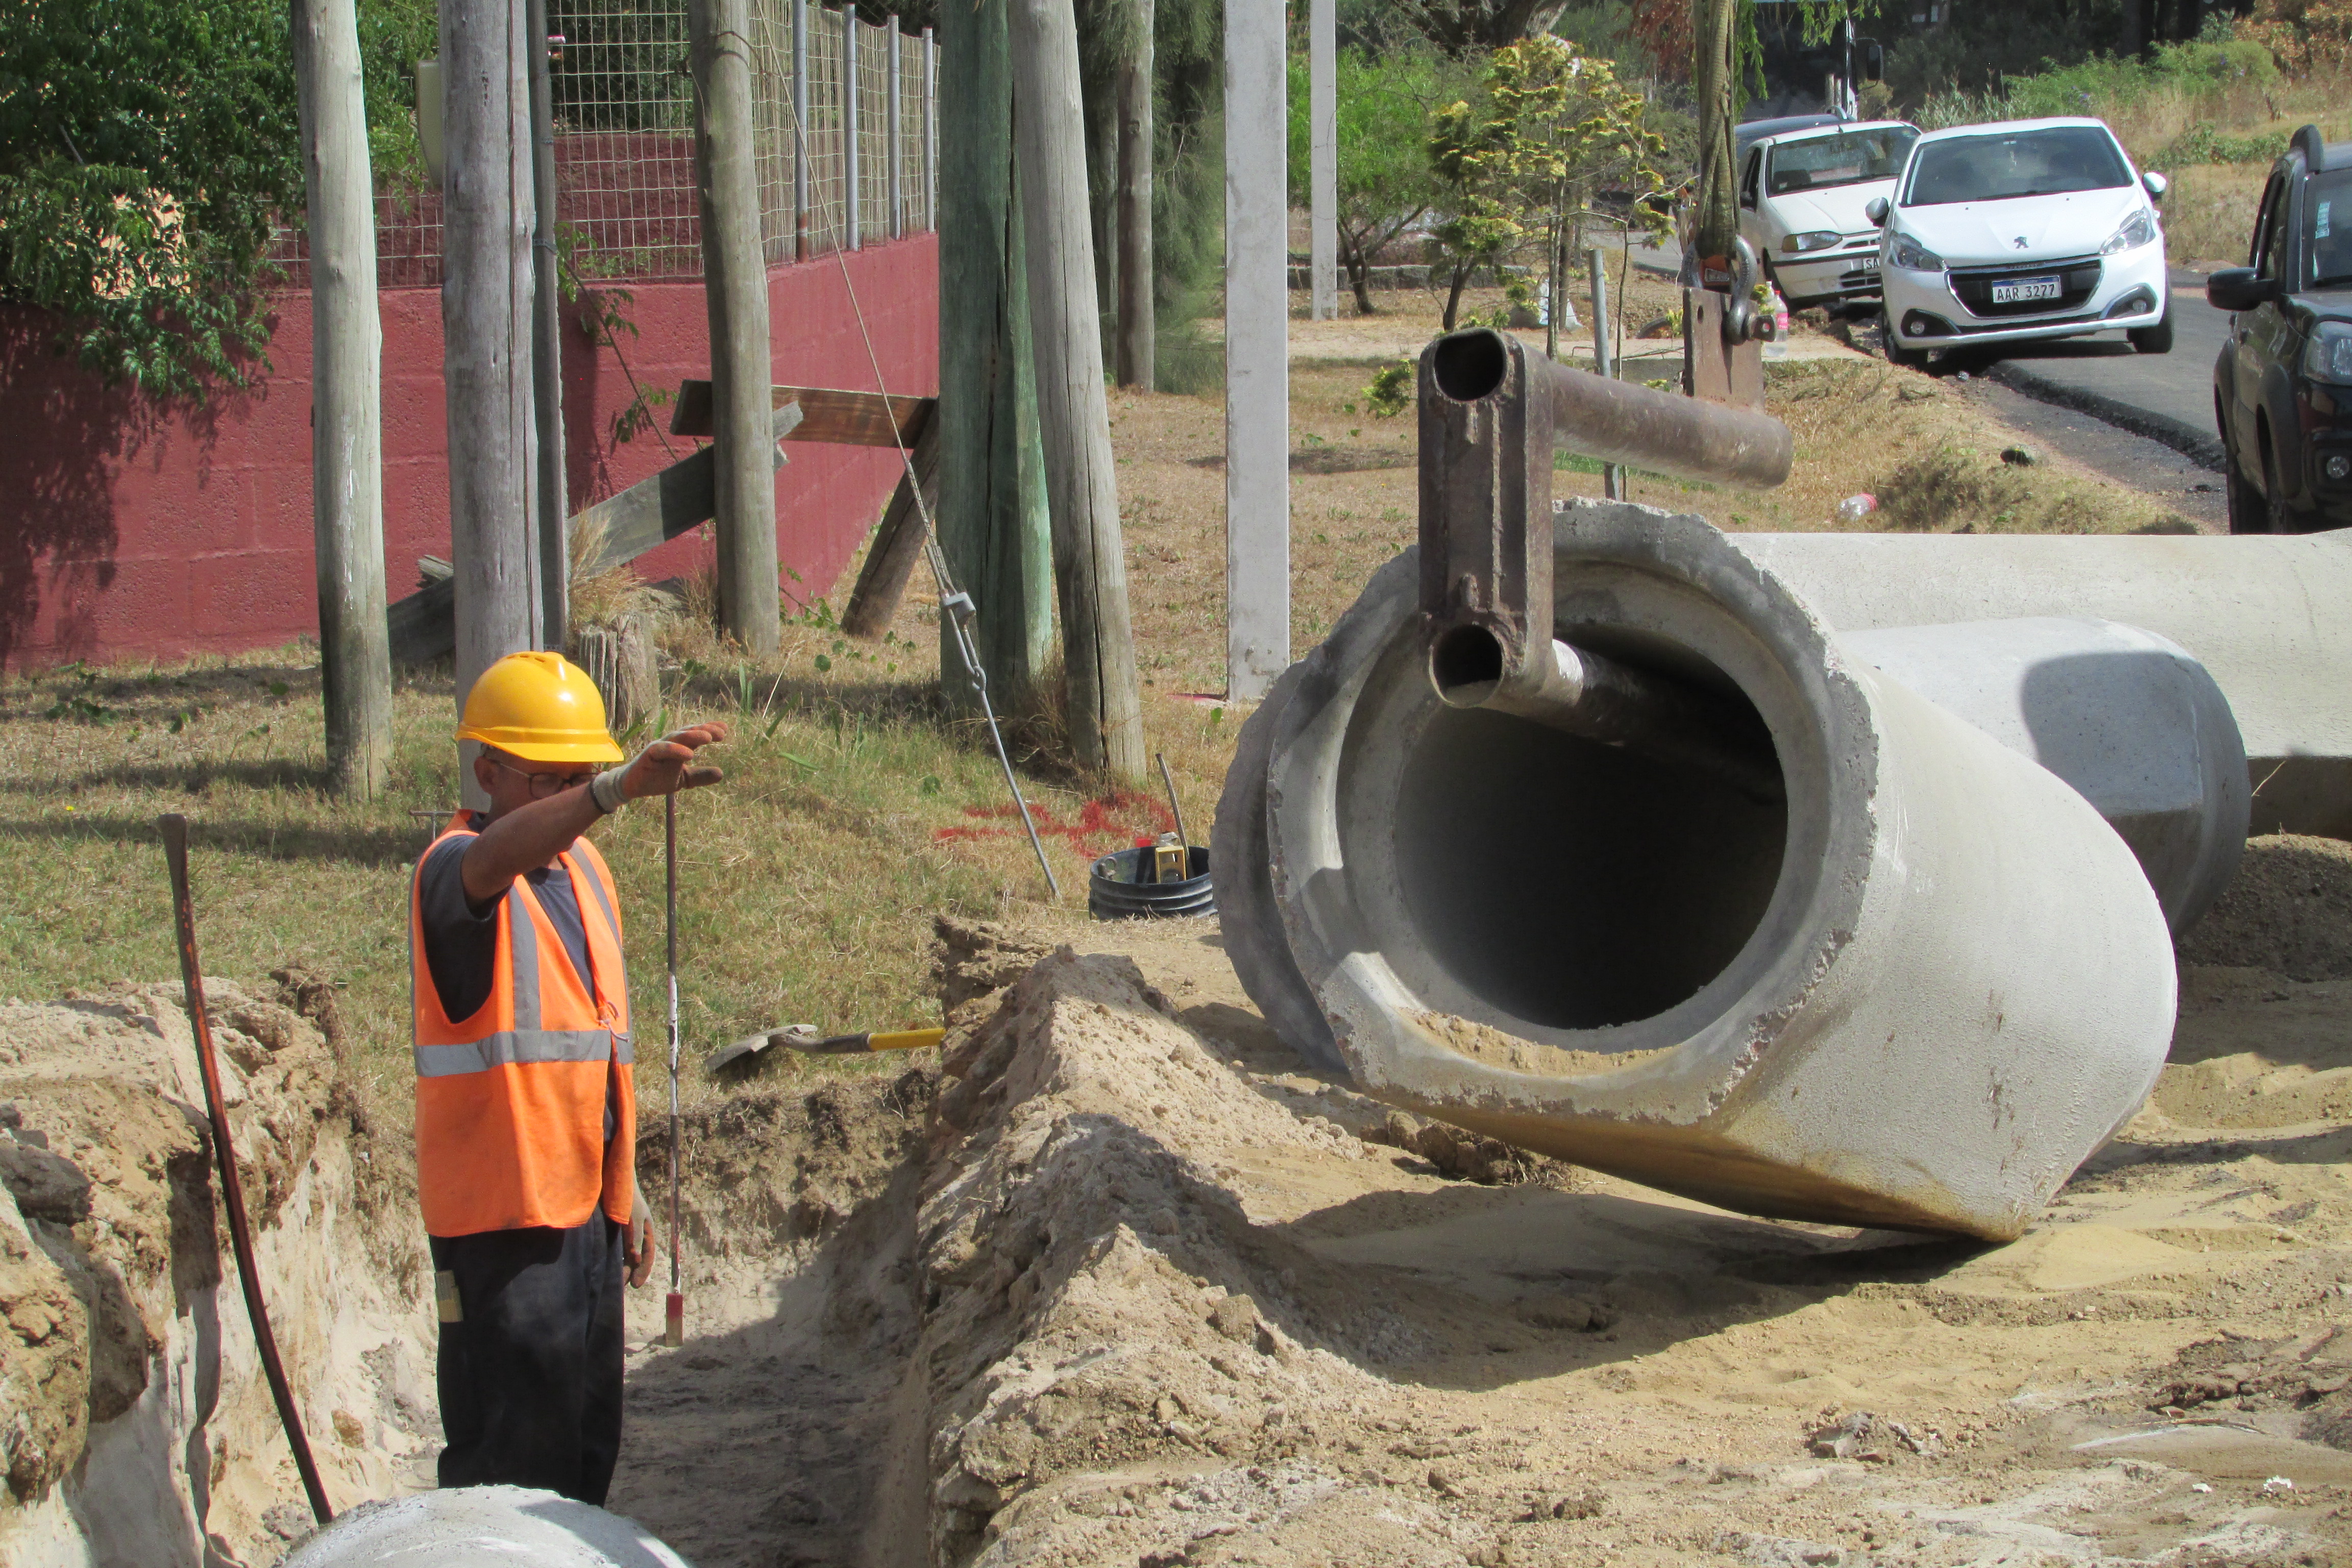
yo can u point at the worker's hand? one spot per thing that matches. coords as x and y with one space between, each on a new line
637 1247
662 768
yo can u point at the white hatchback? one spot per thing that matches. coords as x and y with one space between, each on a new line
2029 228
1803 200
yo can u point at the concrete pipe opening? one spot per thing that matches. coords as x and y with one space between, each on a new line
1572 884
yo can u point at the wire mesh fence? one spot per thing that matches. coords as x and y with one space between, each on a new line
627 202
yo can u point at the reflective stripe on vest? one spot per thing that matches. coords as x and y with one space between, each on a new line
527 1042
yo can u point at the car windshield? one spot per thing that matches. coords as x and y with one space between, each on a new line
2328 212
2008 165
1846 159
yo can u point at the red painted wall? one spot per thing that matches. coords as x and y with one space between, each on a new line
131 530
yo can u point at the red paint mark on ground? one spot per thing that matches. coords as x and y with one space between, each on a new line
1114 822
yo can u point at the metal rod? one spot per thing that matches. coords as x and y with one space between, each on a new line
1618 422
240 1232
1181 836
674 1310
930 131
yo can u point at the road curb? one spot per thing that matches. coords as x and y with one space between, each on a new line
2201 447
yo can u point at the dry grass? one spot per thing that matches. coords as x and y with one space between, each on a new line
2208 214
853 810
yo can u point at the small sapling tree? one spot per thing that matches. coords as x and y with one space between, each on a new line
1386 184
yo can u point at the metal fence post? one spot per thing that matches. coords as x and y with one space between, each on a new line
852 231
898 147
802 142
930 131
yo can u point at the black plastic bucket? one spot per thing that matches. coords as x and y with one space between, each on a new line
1113 893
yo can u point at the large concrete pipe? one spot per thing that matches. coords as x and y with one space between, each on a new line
483 1527
1915 987
2265 617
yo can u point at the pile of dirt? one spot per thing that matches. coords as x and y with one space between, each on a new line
2288 910
137 1426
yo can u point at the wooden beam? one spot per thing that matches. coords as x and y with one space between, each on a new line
827 414
897 541
651 512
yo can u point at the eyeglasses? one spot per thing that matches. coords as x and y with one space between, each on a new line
545 784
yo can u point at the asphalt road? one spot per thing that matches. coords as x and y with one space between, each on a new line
2168 398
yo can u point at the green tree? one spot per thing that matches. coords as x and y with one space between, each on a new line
146 146
1526 159
1386 184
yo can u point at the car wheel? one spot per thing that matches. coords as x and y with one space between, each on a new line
2277 516
2248 513
1909 359
2155 339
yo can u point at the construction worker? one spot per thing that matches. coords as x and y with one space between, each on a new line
526 1117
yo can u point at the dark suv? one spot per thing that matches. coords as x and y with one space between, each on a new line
2282 386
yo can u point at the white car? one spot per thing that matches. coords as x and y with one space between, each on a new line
1803 200
2030 228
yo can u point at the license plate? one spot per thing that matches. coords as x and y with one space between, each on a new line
2023 289
1866 264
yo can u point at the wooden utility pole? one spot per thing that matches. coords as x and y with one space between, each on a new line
1081 486
735 287
346 413
547 347
485 294
992 517
1139 324
1716 81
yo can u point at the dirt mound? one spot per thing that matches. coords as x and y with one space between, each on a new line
137 1426
2288 910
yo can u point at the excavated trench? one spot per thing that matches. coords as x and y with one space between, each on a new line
1129 1283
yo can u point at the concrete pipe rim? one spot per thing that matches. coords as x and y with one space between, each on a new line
1759 641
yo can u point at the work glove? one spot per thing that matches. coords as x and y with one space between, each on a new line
637 1247
660 769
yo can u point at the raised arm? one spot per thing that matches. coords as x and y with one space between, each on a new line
530 835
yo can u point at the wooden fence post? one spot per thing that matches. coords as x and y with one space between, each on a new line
486 295
991 516
853 224
346 412
805 137
1081 486
735 285
893 123
547 349
1137 303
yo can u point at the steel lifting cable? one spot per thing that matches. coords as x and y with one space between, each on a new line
956 607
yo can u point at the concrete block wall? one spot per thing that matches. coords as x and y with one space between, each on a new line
135 530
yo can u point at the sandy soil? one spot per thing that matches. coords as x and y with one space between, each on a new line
1132 1285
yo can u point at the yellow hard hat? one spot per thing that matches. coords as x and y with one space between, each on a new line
539 707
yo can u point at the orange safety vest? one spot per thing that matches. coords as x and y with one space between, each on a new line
510 1101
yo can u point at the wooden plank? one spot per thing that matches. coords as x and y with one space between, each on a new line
897 541
827 414
651 512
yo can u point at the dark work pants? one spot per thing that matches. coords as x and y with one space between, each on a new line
531 1375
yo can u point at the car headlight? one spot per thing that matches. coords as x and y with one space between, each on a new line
1820 239
2136 231
2329 355
1911 255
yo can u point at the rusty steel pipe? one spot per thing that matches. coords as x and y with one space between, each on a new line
1617 420
1492 410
